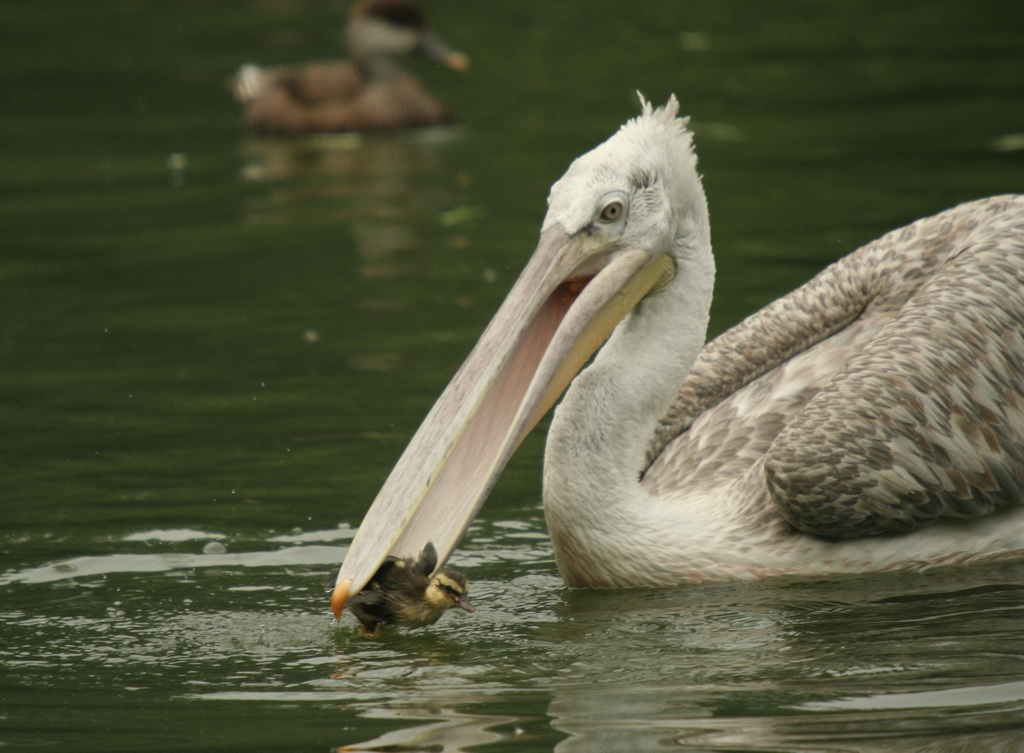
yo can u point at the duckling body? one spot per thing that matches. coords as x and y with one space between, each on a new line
405 592
369 93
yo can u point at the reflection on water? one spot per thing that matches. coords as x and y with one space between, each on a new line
898 663
453 733
780 667
80 567
379 186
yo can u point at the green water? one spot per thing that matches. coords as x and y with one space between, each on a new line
213 347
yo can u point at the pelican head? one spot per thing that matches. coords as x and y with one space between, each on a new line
627 192
618 226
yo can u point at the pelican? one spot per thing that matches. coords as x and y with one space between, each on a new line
871 420
371 93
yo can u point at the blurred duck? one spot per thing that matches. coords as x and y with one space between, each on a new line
405 592
369 93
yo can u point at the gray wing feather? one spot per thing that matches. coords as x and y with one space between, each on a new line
886 392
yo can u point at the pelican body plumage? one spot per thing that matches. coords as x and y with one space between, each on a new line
871 420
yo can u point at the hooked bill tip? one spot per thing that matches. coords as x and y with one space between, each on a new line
339 596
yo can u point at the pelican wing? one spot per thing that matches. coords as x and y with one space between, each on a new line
886 392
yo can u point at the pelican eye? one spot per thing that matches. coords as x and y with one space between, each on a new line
612 211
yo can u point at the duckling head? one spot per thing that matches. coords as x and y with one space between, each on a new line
448 589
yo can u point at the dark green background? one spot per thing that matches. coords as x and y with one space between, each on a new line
238 350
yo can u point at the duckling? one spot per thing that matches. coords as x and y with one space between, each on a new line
369 93
405 592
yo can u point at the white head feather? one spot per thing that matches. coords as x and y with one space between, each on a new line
649 162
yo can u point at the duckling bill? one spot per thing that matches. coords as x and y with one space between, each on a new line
405 592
